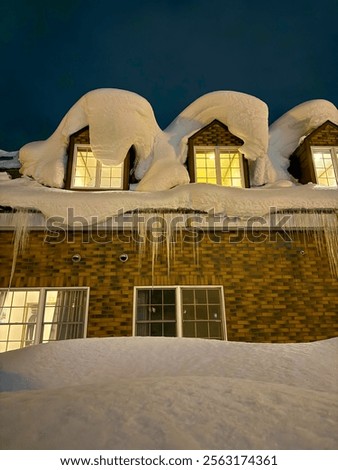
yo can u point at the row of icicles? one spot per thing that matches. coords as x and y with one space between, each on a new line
158 231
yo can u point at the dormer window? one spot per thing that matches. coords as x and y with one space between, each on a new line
316 158
86 173
325 161
214 157
219 165
90 173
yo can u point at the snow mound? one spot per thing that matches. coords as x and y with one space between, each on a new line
169 393
290 129
246 116
117 120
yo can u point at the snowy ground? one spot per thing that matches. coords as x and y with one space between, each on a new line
169 393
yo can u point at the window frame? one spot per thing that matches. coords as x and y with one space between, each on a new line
217 150
41 305
98 171
178 308
334 158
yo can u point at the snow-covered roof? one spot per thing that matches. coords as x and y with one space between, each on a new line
96 206
289 130
118 119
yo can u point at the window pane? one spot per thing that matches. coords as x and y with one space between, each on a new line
156 313
202 330
88 172
230 168
155 329
161 307
188 296
202 313
142 313
205 166
189 329
169 296
169 329
215 330
201 296
213 296
188 312
214 312
85 168
156 296
324 168
169 312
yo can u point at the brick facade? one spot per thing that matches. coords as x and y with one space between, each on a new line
301 164
215 134
275 291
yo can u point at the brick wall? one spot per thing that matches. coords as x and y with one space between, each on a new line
275 291
216 134
326 135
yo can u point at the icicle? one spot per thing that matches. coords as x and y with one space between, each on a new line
21 231
322 225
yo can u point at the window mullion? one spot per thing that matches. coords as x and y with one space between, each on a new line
98 174
40 316
334 157
179 315
218 165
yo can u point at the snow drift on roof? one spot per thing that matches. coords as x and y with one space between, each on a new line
118 119
288 131
97 206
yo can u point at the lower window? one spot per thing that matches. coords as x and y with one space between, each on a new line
35 316
192 312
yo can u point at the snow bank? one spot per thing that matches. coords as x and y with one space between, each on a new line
169 393
289 130
117 120
25 193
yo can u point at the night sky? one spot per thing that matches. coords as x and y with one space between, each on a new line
169 51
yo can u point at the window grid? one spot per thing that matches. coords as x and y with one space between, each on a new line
191 311
219 165
90 173
31 316
325 161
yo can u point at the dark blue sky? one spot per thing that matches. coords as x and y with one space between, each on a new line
169 51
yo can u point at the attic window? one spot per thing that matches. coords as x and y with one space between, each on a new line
325 161
219 165
90 173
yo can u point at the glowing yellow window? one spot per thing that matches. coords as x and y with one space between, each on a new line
89 173
219 165
325 161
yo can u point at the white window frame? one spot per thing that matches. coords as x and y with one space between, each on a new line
334 157
42 304
218 149
97 173
178 306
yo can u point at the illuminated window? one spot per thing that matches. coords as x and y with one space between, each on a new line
90 173
192 312
35 316
325 160
219 165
